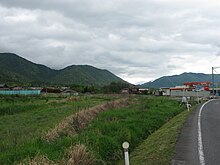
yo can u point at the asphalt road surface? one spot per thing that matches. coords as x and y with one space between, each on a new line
199 141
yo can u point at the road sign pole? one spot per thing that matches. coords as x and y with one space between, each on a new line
213 80
187 105
125 145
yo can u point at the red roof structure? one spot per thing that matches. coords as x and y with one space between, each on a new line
197 83
193 84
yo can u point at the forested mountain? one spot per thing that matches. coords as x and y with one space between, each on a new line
175 80
15 69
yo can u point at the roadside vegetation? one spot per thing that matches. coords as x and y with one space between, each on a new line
98 141
159 147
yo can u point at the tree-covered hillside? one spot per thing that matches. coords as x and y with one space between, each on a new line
15 69
172 81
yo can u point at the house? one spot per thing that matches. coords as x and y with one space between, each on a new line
51 90
125 91
4 87
158 93
134 91
35 88
69 92
192 89
165 91
143 91
18 88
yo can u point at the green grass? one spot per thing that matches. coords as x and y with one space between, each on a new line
23 119
104 135
159 147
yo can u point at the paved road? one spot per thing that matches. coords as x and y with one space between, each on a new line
199 141
210 127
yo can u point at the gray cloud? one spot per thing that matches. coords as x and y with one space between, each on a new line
137 40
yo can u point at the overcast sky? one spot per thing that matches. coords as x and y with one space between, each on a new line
138 40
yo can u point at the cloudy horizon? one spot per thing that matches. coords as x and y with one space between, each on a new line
138 41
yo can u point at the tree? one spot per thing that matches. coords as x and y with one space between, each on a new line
115 87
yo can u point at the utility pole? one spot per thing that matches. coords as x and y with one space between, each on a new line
213 79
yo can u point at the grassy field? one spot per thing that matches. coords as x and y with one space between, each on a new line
21 132
25 118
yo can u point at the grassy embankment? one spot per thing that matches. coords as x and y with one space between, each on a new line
159 148
101 140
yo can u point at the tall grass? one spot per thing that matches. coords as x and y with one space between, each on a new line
159 147
76 122
76 155
23 119
104 135
79 155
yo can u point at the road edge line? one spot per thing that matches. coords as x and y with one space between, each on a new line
200 145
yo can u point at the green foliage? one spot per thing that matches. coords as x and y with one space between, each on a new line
17 69
133 124
172 81
23 119
77 87
14 69
84 75
84 88
103 136
115 87
159 147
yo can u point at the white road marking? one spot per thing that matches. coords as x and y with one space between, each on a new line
200 145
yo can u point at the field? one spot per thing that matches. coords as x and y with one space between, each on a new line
60 130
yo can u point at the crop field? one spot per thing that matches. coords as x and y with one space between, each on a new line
89 129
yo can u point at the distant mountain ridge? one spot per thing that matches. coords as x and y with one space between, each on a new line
15 69
175 80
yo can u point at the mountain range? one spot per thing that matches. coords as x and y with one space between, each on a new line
176 80
15 69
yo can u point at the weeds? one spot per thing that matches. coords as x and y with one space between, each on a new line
101 133
79 155
74 123
23 119
37 160
75 155
133 124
